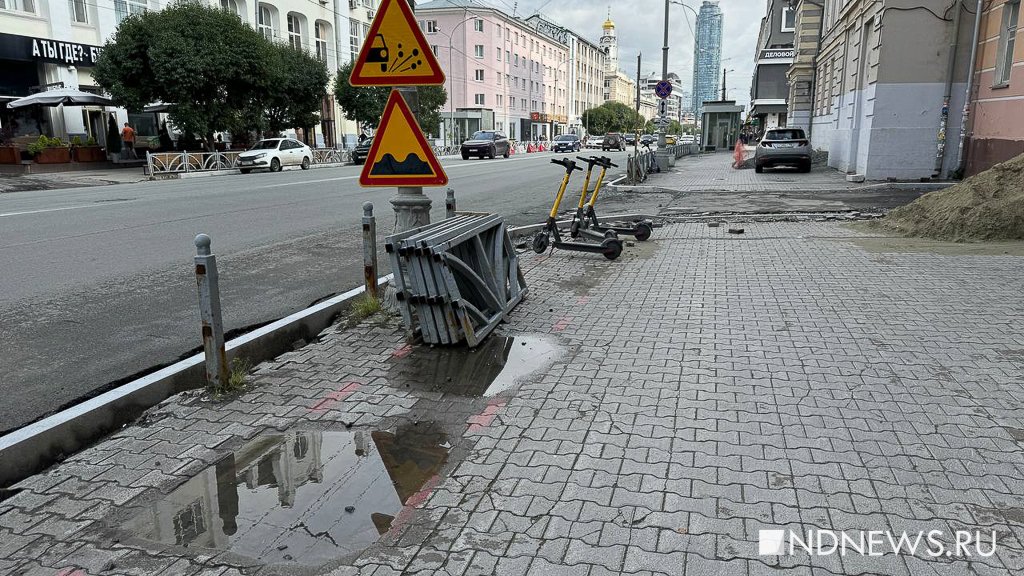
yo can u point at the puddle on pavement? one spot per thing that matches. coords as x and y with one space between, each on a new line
300 497
487 370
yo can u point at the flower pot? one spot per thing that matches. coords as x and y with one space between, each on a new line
90 154
53 156
10 155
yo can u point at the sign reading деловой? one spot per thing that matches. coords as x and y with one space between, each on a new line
777 54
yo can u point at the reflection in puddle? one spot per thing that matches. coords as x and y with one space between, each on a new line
487 370
300 497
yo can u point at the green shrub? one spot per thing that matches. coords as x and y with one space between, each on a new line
91 142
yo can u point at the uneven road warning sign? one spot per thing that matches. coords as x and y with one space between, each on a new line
395 52
400 155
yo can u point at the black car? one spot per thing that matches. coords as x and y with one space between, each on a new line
613 141
648 139
486 144
361 151
566 143
630 139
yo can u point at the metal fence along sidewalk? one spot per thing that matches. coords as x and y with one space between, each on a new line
456 279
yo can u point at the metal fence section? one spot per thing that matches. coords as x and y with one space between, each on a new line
640 166
158 163
457 279
451 150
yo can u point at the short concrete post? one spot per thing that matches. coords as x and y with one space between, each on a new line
209 313
369 249
449 204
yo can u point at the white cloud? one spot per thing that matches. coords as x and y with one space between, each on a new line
640 27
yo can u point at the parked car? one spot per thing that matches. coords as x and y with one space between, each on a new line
275 154
648 140
595 142
630 139
485 144
566 143
361 151
670 139
687 139
783 147
613 141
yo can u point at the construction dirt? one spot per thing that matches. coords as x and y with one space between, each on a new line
985 207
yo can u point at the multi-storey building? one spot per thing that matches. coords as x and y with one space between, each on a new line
587 63
618 86
997 121
45 44
707 52
883 76
501 72
674 101
769 90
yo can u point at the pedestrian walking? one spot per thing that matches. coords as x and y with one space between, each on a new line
128 139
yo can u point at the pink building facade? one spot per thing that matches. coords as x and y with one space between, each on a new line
501 74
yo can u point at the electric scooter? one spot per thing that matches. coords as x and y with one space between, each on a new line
578 226
586 221
611 248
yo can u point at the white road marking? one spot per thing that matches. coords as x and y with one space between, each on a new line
40 211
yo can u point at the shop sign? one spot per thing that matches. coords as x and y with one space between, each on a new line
29 49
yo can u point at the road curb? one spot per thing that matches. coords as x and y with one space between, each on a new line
38 445
212 173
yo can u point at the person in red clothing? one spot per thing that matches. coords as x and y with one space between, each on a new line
128 138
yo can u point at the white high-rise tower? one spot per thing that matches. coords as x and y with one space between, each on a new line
610 45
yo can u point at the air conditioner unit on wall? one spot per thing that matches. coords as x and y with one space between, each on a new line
353 4
371 14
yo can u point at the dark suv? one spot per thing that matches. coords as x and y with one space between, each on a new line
613 141
485 144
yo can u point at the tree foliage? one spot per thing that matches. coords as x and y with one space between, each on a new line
673 128
366 105
215 72
612 117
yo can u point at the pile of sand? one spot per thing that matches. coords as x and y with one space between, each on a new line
987 206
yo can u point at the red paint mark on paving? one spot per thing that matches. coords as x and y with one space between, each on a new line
486 417
562 324
402 351
71 571
415 500
335 396
583 300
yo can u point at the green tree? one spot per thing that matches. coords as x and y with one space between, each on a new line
293 92
203 61
366 105
612 117
673 128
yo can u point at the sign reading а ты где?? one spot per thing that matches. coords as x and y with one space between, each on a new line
28 49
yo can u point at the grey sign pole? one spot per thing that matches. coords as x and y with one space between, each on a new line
449 204
210 315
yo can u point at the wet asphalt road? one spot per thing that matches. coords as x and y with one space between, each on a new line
97 283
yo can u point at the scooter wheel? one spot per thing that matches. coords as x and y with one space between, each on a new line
612 248
643 231
540 243
611 235
574 229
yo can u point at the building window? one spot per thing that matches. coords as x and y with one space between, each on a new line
229 5
431 26
478 99
122 8
294 31
499 32
78 11
478 25
499 78
478 50
1007 42
478 75
433 48
266 22
498 53
788 19
353 38
19 5
323 35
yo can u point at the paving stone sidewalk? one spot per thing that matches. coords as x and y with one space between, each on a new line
704 387
714 171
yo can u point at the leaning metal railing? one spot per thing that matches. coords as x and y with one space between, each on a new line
158 163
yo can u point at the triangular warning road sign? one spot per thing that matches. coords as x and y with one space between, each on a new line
395 53
400 155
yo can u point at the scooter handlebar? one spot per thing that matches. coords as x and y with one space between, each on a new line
607 162
568 164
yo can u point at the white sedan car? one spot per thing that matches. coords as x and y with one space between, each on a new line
275 154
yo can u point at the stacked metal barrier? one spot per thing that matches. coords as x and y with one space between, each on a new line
456 279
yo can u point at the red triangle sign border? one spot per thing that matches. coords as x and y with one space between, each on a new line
366 180
435 79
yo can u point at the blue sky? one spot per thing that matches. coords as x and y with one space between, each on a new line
640 27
